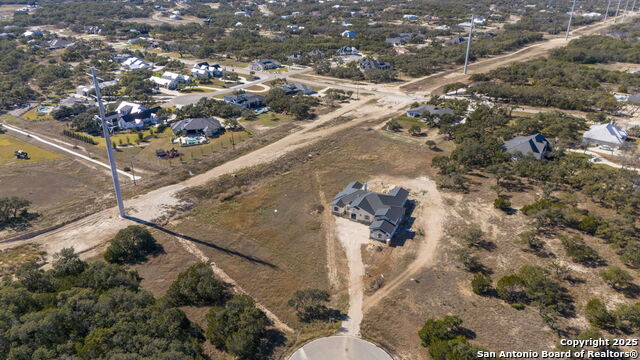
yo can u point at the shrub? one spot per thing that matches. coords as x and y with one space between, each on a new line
481 285
197 286
502 204
130 245
580 252
617 278
598 315
511 288
435 330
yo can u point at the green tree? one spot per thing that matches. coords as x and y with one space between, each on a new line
502 204
130 245
310 304
434 330
415 130
237 327
66 263
511 289
197 286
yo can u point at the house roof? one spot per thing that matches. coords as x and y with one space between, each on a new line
433 110
197 124
389 205
536 145
383 225
606 133
295 88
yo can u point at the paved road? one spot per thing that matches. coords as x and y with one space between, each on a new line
340 348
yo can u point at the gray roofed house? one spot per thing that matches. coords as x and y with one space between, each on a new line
59 44
424 110
382 212
266 64
294 88
536 145
373 64
198 126
245 101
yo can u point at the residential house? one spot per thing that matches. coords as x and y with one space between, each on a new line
175 17
346 23
456 40
198 127
265 64
348 34
423 111
32 33
605 134
294 89
395 41
368 63
535 145
245 101
134 63
86 90
318 54
348 50
382 212
204 71
410 17
179 78
59 44
130 115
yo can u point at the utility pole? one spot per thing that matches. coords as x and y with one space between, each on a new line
573 7
107 138
617 10
466 58
633 6
133 173
606 13
626 7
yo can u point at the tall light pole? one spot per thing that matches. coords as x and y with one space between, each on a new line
573 7
617 10
107 139
606 13
466 58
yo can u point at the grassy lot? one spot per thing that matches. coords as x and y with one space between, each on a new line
255 88
406 122
8 145
270 119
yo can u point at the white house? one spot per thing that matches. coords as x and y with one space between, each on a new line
204 71
605 134
130 115
410 17
134 63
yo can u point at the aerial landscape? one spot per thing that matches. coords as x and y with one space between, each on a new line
319 179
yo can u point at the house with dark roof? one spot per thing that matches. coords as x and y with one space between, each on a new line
59 44
382 212
423 111
294 89
197 127
265 64
368 63
348 50
130 115
245 101
535 145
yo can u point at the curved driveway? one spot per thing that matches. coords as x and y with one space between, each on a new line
340 348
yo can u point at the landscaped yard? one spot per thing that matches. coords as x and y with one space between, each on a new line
9 144
190 152
128 138
33 115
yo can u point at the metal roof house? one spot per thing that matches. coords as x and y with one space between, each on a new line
382 212
425 110
266 64
197 126
535 145
373 64
294 89
605 134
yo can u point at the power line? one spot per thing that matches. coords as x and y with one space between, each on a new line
606 13
617 10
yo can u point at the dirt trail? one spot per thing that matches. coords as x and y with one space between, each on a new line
432 212
352 236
